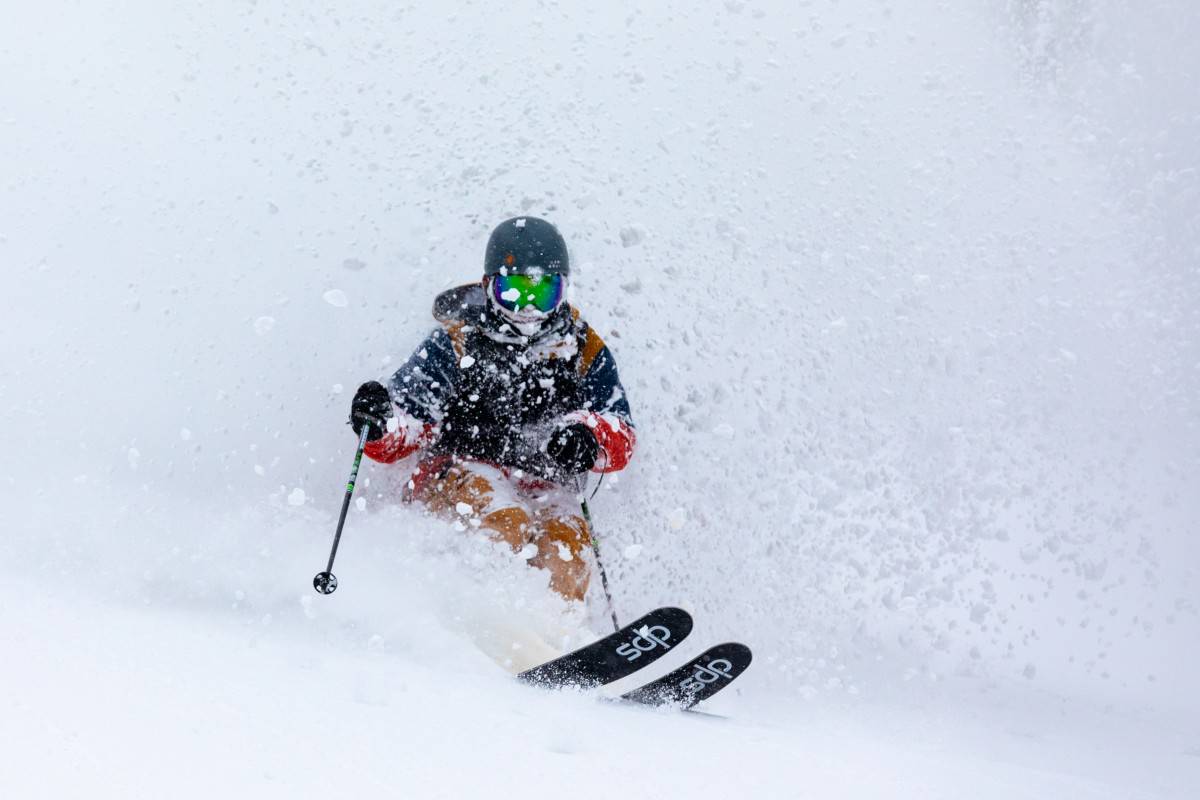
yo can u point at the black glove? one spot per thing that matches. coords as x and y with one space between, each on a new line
573 448
372 407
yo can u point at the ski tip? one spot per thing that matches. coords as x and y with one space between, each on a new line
674 611
742 652
674 615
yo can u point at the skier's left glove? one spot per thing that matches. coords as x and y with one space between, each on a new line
573 448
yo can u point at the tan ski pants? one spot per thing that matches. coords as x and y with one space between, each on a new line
516 511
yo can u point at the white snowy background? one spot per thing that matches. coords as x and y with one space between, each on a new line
905 296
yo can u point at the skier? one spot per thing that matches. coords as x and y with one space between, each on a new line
510 401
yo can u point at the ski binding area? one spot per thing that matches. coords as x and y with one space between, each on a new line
636 646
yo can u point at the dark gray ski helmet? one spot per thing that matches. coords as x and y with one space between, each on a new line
526 245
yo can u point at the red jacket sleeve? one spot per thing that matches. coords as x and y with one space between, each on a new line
409 437
616 437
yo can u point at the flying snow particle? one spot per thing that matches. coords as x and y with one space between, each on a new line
676 519
297 497
134 456
263 325
464 509
360 503
632 551
467 361
306 604
336 298
511 296
185 434
528 551
259 470
632 235
336 388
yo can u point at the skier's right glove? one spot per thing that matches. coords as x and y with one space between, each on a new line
372 407
573 448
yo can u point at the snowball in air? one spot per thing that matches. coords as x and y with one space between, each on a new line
336 298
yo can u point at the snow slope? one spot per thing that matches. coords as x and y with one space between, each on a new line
179 682
905 298
127 702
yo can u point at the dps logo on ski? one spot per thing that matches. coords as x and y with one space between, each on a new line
648 638
715 670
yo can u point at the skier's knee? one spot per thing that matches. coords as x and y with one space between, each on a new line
510 525
561 542
569 535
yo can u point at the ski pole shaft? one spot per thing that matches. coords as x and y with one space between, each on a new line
612 611
325 582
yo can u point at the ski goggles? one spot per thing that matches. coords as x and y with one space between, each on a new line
520 292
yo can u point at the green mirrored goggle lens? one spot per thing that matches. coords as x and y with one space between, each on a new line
516 292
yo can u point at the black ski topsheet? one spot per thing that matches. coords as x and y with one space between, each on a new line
697 680
612 657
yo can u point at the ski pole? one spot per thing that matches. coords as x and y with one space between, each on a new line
325 582
587 516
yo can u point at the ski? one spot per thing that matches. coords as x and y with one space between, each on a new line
697 680
612 657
